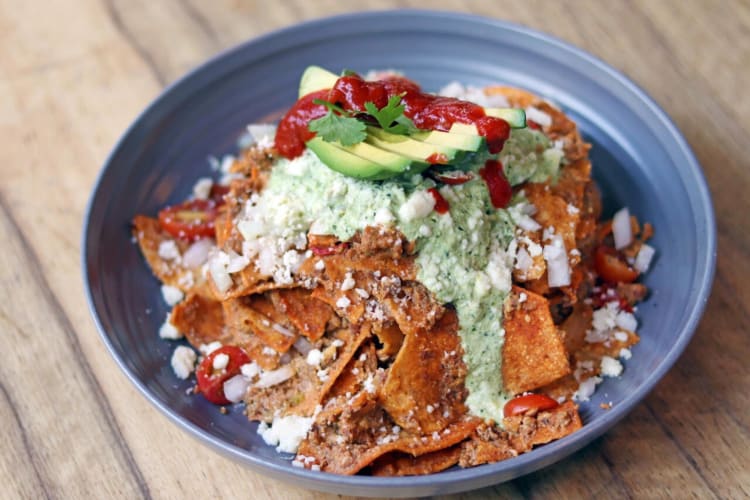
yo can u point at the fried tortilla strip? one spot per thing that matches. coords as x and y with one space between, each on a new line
492 444
150 236
201 320
350 433
257 314
552 211
576 325
533 352
424 391
307 314
409 303
300 394
390 337
403 464
352 378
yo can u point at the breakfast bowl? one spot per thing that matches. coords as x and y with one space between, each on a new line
640 160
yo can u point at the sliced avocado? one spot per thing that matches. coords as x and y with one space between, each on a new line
363 161
410 148
515 117
316 78
465 129
462 142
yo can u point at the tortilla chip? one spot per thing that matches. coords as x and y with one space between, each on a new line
403 464
552 211
256 314
201 320
424 390
491 443
533 352
149 234
353 377
350 433
308 315
303 392
390 337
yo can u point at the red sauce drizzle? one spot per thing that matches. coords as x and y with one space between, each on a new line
497 183
292 133
427 111
441 204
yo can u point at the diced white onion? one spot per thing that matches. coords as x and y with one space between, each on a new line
644 257
523 260
219 273
528 224
282 330
237 262
621 229
275 377
235 388
538 116
303 346
197 253
558 268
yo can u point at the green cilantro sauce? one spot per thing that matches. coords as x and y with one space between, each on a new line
464 257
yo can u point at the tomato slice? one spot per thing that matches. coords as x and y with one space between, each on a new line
191 220
497 184
441 204
525 403
611 267
210 381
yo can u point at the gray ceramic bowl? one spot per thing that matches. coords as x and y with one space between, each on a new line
640 160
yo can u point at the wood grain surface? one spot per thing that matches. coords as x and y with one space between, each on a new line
75 73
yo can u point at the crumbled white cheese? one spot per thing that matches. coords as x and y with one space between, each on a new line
202 188
286 433
621 336
267 351
368 384
430 408
383 216
320 265
625 353
343 302
558 268
586 389
221 361
611 367
168 331
348 282
207 349
323 375
172 295
424 230
183 361
314 357
417 206
522 297
168 250
362 293
626 321
572 209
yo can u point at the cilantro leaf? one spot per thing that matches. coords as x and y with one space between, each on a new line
391 117
338 126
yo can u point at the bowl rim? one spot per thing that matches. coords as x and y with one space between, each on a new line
451 480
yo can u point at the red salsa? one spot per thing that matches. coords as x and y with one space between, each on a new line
427 111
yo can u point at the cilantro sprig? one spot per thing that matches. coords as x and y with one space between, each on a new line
342 126
338 125
391 117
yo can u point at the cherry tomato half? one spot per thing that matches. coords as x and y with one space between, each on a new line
191 220
611 267
522 404
210 381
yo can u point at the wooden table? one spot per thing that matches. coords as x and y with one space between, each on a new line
74 74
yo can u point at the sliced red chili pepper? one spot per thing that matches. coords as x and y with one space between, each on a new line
441 204
210 381
453 178
611 267
532 124
497 184
608 293
522 404
191 220
437 159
